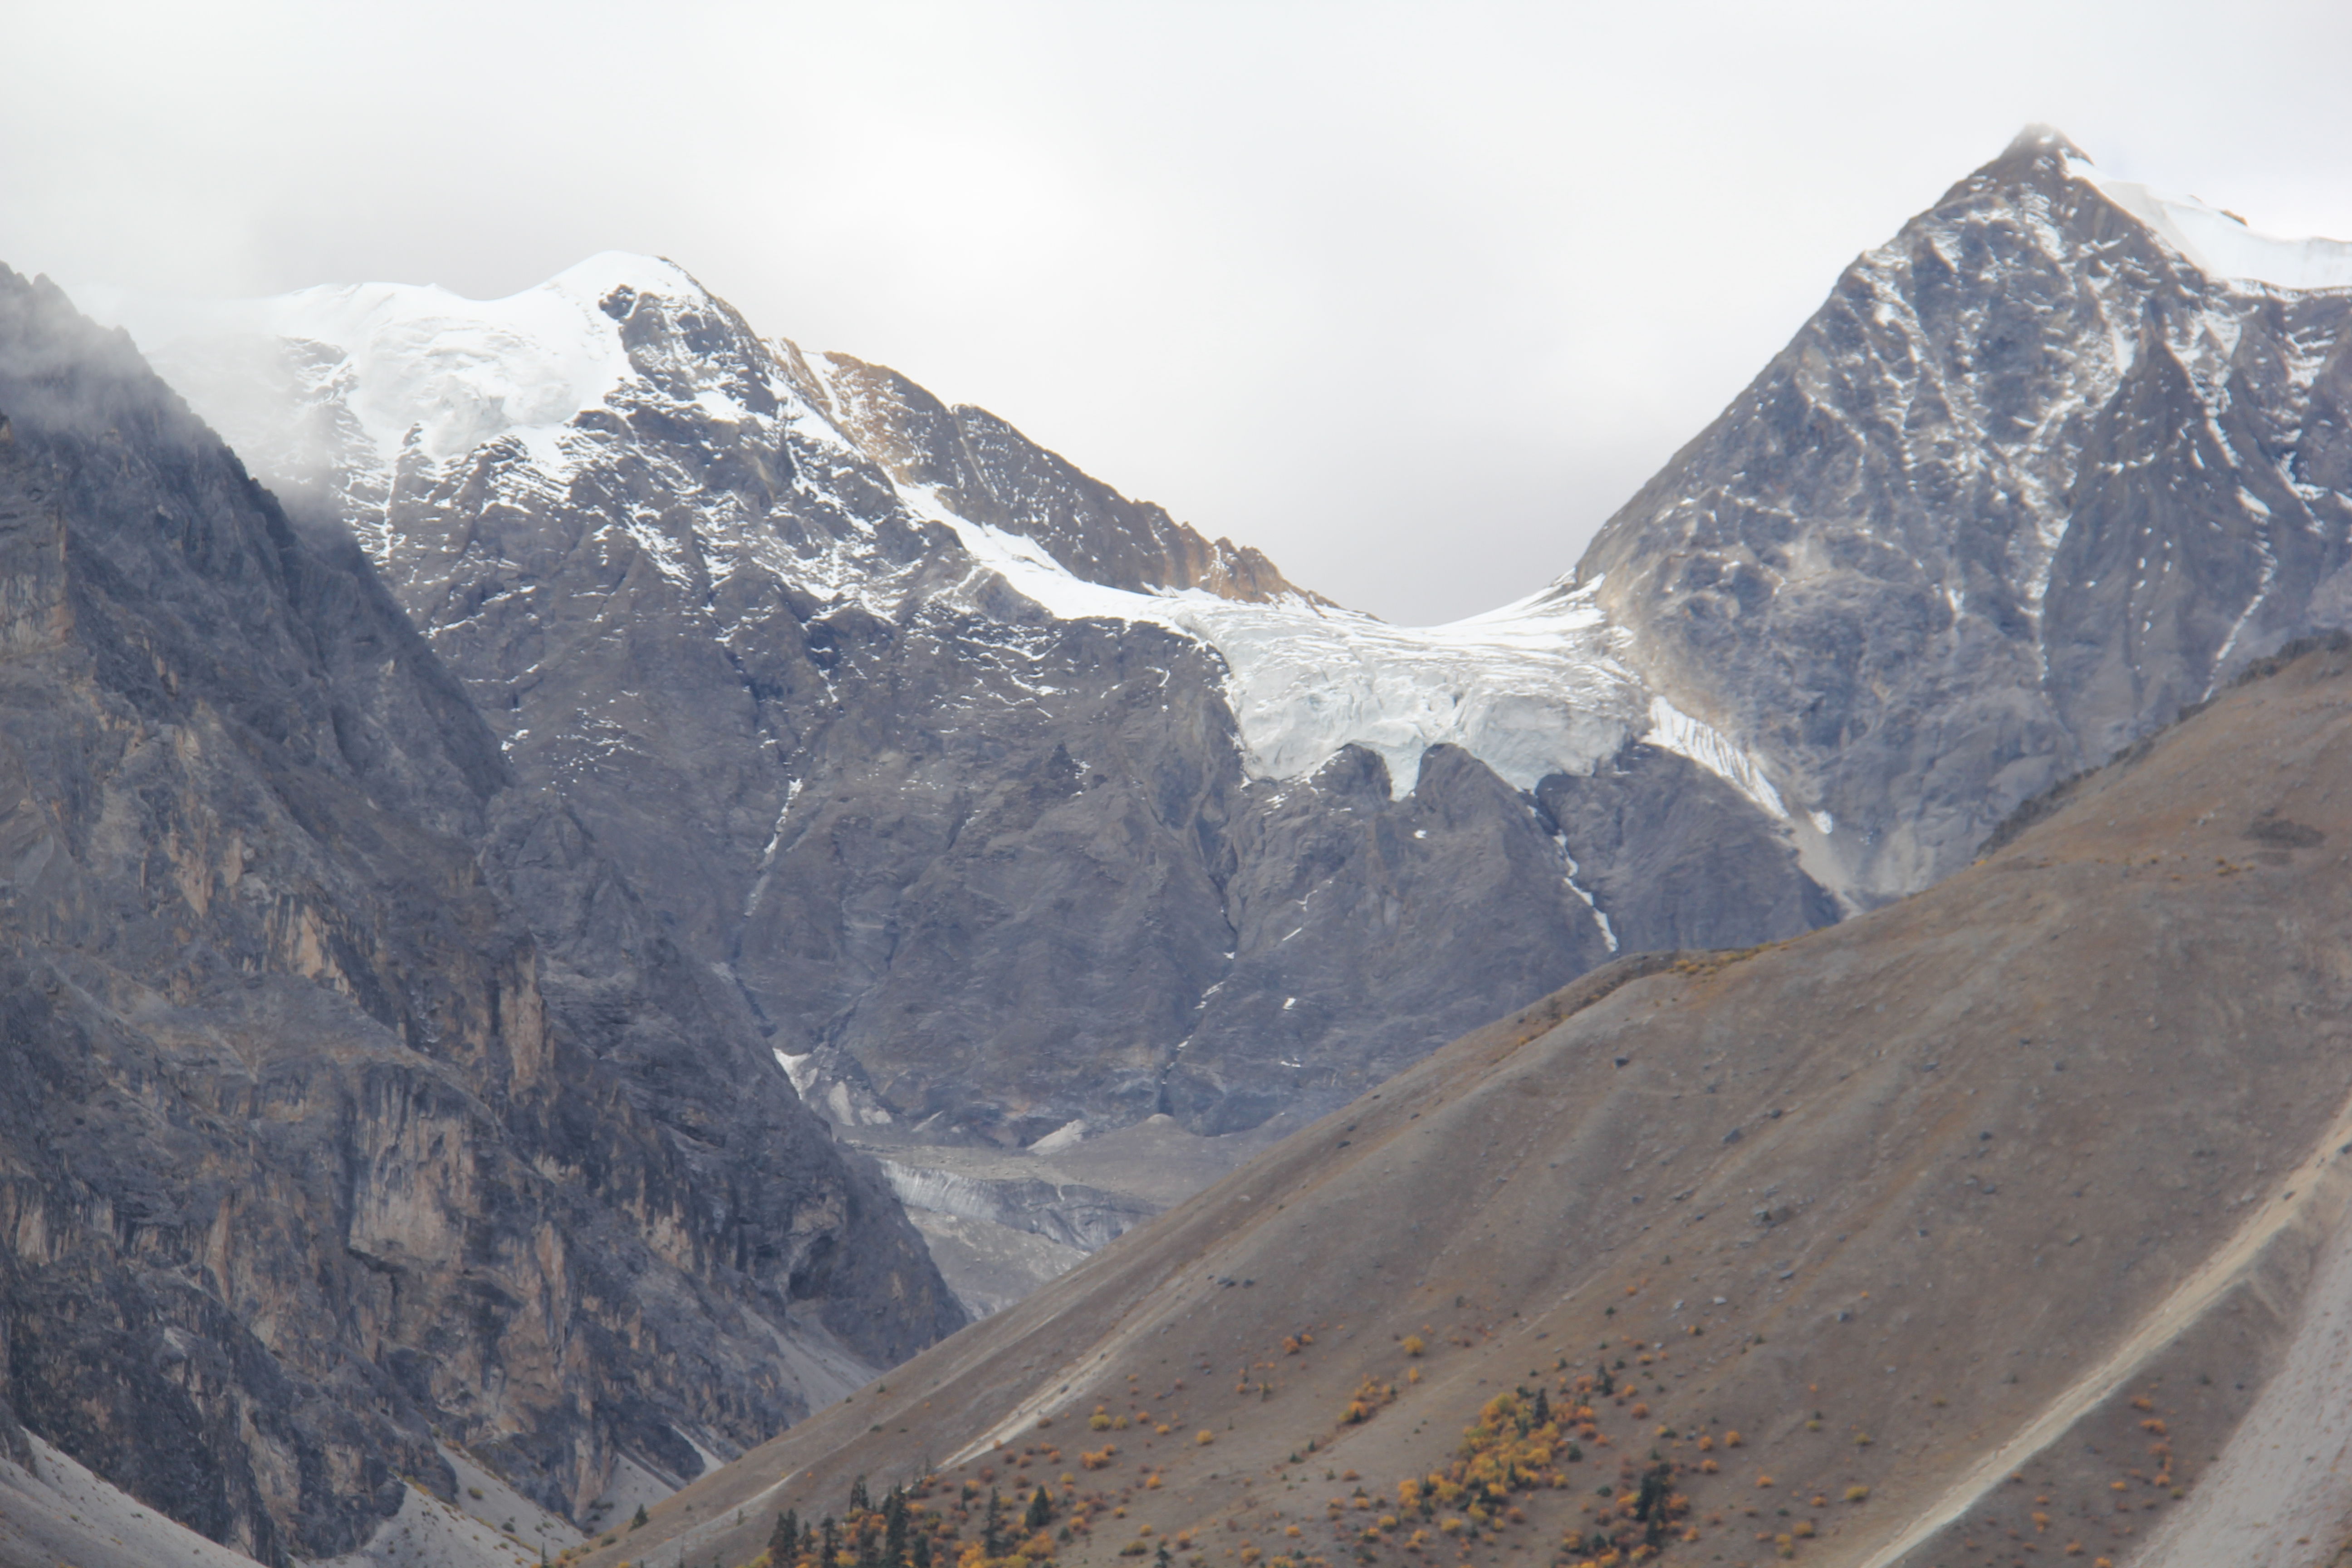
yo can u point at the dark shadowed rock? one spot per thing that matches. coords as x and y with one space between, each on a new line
350 1101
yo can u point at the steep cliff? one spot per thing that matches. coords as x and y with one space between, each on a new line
351 1099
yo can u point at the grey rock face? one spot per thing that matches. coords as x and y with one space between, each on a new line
1679 857
2026 484
345 1092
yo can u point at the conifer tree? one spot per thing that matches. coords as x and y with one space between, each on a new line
991 1537
1041 1511
857 1500
785 1540
832 1552
1543 1409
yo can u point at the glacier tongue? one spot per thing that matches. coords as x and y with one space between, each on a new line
1530 690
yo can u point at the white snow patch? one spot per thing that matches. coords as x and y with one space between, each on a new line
2222 246
801 1069
1068 1135
1672 729
1599 915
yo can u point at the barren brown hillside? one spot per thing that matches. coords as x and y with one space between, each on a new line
2001 1227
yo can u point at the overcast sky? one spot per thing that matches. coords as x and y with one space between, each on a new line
1409 296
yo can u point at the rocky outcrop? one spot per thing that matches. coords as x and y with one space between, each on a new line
349 1094
983 468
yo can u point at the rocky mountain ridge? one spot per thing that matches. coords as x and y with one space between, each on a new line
1006 802
1011 804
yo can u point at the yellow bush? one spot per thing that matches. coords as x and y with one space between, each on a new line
1204 1438
1857 1494
1412 1344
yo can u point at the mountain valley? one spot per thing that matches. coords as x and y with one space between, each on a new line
2007 1220
584 887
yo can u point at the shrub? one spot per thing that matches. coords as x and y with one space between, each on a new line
1857 1494
1204 1438
1413 1345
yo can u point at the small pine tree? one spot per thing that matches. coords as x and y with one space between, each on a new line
893 1527
831 1553
857 1499
1543 1409
785 1540
992 1537
1041 1511
637 1520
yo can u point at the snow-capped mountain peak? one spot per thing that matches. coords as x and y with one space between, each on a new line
453 373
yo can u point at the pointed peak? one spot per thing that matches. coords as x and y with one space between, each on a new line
2044 142
609 272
